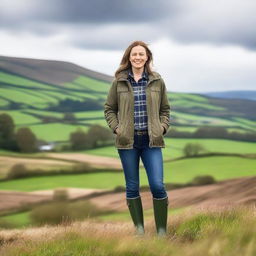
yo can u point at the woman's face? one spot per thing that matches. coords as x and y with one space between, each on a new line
138 57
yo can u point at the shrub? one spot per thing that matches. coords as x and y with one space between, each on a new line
82 167
203 180
26 140
17 171
60 194
192 149
119 189
59 212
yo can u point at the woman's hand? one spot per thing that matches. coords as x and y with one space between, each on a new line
117 130
163 130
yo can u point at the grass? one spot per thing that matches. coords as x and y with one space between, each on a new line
22 220
174 147
172 150
188 96
55 131
90 114
181 171
20 118
190 119
111 180
44 113
246 122
3 103
220 232
91 84
17 220
22 97
148 214
18 80
190 104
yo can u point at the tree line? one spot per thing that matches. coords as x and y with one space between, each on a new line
24 140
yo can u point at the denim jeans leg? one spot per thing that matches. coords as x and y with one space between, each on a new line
130 159
153 162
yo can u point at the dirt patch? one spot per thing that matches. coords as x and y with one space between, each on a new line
224 193
11 200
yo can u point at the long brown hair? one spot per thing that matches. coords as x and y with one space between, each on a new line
125 63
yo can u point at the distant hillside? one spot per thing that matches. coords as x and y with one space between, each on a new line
249 95
48 71
37 94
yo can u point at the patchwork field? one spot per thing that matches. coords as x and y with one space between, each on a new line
28 89
181 171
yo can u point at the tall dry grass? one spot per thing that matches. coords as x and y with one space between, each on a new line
215 232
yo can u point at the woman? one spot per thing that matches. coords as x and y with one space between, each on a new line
137 110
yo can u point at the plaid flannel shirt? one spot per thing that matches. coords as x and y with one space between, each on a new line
140 109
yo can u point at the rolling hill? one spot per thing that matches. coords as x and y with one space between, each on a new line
250 94
37 94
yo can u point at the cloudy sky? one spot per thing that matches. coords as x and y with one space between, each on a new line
198 46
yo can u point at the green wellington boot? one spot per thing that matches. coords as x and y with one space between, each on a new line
160 213
136 211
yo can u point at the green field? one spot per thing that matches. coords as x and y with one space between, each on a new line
180 171
35 97
174 147
22 220
55 131
90 84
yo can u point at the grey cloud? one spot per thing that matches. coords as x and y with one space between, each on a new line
95 12
110 24
225 22
112 37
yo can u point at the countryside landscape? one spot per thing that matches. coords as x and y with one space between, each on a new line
62 185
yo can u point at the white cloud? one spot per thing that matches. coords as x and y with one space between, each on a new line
202 67
190 68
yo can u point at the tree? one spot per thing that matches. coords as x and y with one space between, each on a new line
96 136
99 135
78 139
211 132
7 135
26 140
192 149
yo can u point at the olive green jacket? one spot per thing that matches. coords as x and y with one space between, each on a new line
119 110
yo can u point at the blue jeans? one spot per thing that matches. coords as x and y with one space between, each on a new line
153 162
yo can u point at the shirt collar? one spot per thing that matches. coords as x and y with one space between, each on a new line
144 74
